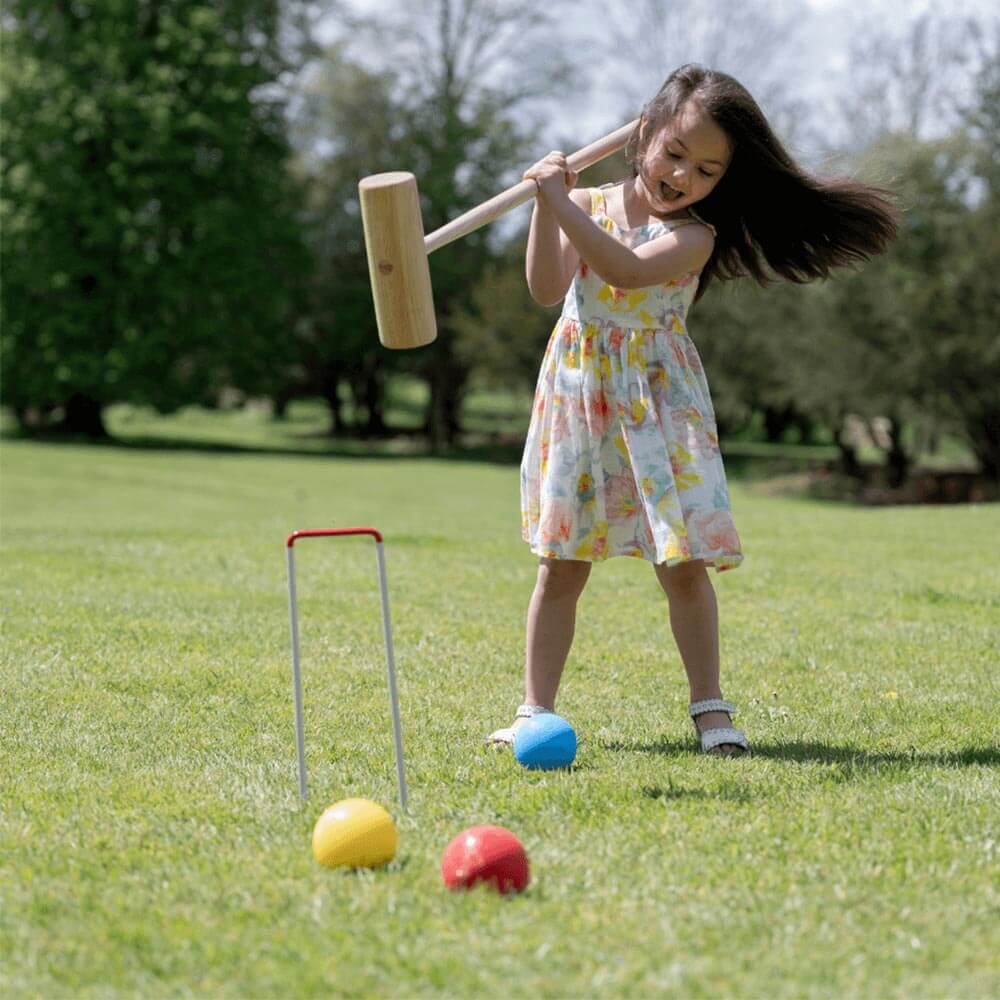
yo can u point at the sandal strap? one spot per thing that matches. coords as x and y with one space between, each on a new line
530 711
712 738
697 708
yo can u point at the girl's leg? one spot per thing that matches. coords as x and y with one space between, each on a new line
694 620
551 622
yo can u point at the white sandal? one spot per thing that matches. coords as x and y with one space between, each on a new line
711 738
505 737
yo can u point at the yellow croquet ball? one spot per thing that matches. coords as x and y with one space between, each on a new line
354 833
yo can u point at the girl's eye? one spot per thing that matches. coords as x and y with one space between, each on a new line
678 156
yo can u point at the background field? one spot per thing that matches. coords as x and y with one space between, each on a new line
494 422
152 839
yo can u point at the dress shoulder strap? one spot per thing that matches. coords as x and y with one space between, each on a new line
598 206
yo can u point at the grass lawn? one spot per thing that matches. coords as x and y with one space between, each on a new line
152 839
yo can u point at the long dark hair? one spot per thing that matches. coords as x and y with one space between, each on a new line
771 217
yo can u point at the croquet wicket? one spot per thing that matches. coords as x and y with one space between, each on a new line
389 659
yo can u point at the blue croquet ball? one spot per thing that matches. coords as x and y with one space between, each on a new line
545 742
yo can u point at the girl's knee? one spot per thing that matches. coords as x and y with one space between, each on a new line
562 577
683 576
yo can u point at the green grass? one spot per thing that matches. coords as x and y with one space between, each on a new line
152 839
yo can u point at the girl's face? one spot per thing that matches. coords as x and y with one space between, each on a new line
683 161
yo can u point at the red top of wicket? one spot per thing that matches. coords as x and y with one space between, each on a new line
322 532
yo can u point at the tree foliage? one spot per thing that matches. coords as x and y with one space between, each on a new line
151 251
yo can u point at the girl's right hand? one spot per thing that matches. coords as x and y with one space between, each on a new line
552 175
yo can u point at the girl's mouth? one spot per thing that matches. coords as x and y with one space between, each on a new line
668 193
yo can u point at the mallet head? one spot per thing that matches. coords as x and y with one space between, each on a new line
397 259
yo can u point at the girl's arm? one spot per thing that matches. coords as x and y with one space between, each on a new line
551 259
671 256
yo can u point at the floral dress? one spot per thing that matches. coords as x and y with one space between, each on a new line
622 455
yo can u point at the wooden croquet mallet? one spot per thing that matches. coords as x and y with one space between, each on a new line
397 248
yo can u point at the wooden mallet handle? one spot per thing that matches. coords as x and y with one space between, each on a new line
397 248
524 191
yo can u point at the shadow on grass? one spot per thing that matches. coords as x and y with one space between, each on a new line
478 448
365 874
672 791
749 463
854 762
495 448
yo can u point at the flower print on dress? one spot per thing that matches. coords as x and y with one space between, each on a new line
621 501
691 429
594 543
597 412
555 523
714 529
585 492
620 300
561 426
685 471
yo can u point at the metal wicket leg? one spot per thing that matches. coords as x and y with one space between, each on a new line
296 674
390 668
389 657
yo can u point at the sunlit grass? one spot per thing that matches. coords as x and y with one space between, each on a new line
152 839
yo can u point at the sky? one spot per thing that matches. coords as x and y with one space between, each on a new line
817 64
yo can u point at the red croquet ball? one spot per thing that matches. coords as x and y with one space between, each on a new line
485 854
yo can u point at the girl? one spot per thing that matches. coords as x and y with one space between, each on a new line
622 456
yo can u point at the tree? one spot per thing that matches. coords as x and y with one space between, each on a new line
911 336
745 335
151 250
966 358
501 332
896 76
461 74
347 124
757 43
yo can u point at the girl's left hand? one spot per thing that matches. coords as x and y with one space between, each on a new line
552 175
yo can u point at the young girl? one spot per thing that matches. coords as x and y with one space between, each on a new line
622 456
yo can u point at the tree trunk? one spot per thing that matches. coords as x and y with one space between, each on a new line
986 445
444 408
453 408
435 427
375 400
280 401
897 460
805 427
84 415
777 421
849 463
330 390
